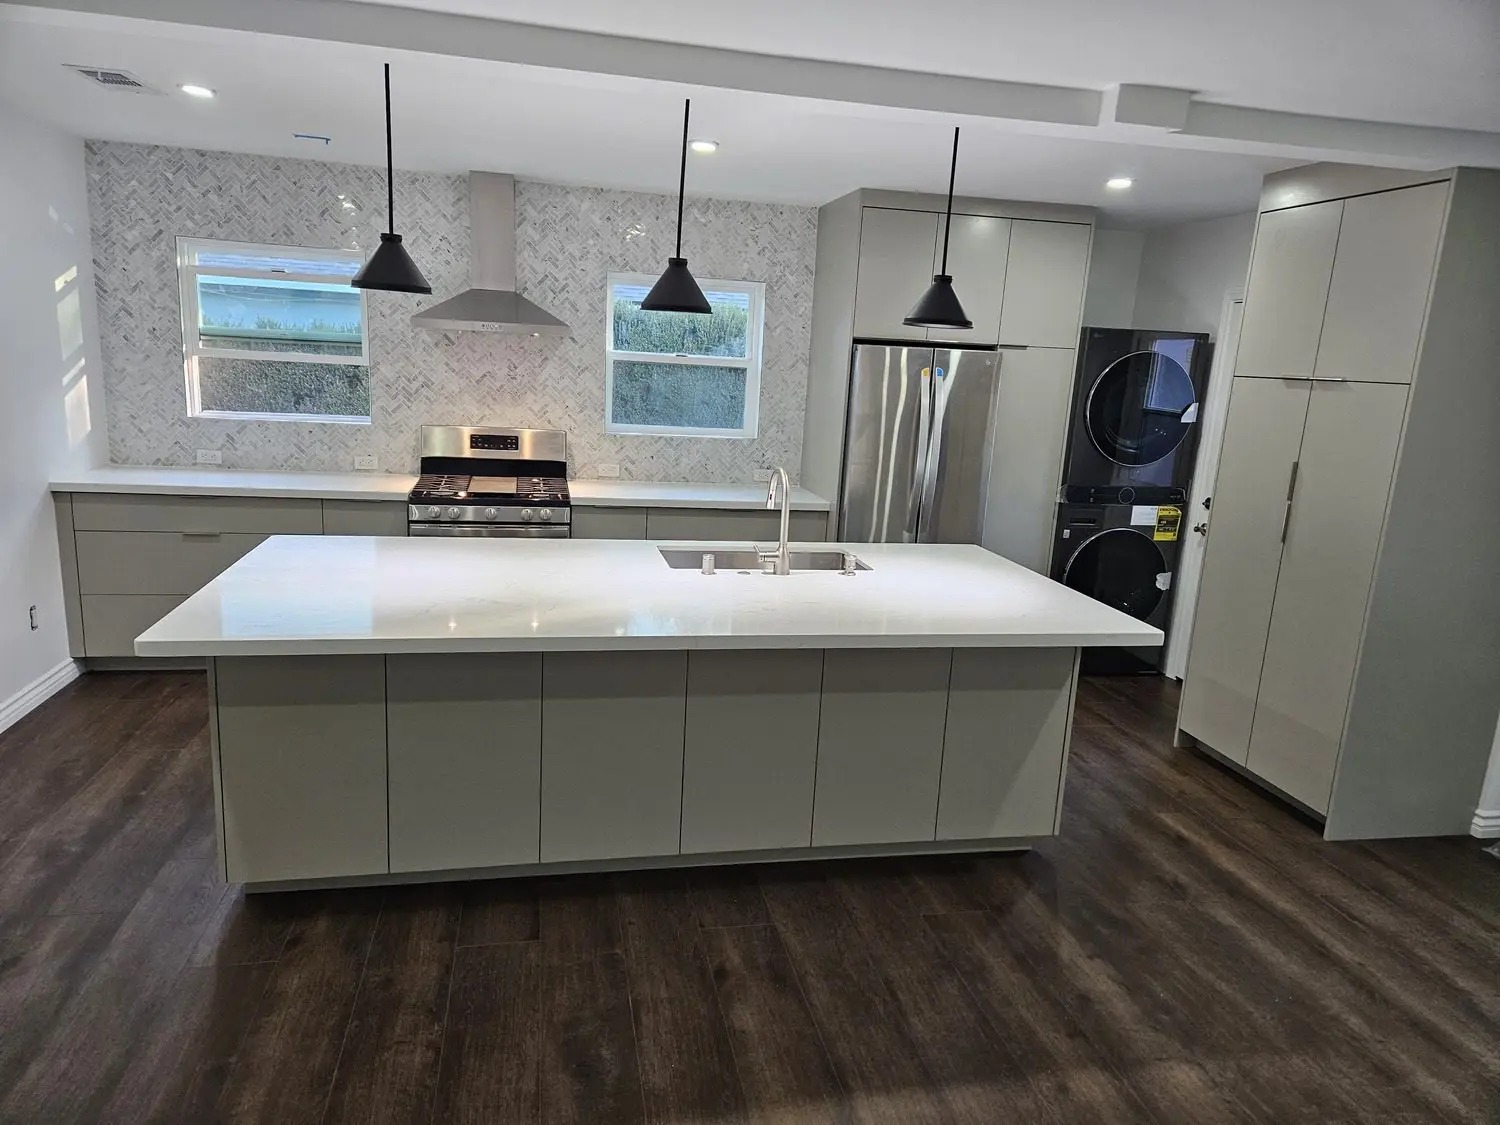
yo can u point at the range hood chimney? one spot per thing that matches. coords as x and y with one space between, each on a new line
491 303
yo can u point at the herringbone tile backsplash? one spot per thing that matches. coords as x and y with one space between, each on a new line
568 238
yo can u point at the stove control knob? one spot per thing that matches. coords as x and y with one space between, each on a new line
545 514
433 512
491 513
452 513
525 515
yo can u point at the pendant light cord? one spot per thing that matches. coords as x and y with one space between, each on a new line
390 168
687 109
948 224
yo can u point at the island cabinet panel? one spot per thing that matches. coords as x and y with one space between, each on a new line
609 523
735 527
612 737
465 754
880 745
751 750
364 517
302 761
1003 750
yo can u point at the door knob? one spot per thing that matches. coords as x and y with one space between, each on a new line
1201 528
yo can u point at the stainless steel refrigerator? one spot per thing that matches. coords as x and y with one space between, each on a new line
917 443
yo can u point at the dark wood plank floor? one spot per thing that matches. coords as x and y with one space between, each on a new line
1187 951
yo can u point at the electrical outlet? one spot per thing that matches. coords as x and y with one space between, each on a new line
608 472
761 476
366 463
209 457
31 616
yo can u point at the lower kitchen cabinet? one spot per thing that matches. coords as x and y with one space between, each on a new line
464 737
157 562
1005 779
608 523
751 750
880 745
733 526
112 622
364 517
302 763
612 738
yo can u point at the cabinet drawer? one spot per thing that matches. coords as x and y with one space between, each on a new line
609 523
120 512
112 623
364 517
156 562
733 526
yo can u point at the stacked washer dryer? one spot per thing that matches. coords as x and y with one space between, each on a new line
1131 446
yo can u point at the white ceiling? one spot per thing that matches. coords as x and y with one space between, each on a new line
565 125
1420 62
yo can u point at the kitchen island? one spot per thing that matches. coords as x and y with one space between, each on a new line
389 709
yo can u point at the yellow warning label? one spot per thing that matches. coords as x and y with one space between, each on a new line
1168 520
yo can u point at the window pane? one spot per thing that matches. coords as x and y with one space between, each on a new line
678 394
271 315
723 333
252 386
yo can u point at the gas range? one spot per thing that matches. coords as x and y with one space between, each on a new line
491 482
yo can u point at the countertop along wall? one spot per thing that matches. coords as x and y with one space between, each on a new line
568 238
49 393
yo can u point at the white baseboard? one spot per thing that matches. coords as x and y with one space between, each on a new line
34 694
1486 824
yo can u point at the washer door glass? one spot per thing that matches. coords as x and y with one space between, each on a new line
1140 408
1119 567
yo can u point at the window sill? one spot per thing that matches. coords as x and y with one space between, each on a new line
248 416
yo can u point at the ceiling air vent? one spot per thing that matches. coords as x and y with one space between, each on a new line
113 79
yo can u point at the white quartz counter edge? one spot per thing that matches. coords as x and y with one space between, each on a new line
325 595
164 481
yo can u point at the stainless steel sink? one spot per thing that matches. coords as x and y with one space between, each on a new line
739 558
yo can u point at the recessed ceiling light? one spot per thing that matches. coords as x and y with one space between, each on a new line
704 145
1118 183
193 91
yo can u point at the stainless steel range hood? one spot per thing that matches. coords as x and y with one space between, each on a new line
491 303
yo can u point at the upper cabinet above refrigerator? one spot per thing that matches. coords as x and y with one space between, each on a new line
1020 281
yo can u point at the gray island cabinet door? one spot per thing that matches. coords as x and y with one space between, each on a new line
302 766
880 745
612 727
1008 712
465 733
751 750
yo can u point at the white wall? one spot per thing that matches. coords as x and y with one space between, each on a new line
51 407
1187 269
1114 272
1487 818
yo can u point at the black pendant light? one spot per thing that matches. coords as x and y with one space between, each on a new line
939 306
676 290
390 267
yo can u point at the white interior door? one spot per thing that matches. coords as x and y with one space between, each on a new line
1205 472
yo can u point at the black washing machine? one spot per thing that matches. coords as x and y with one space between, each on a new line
1135 413
1124 555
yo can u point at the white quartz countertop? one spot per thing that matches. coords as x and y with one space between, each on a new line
165 481
304 595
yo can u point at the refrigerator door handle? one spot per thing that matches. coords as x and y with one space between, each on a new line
919 476
932 459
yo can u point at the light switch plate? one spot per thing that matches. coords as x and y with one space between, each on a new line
761 476
608 472
209 457
366 463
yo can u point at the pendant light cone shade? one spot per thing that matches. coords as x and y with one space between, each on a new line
390 268
940 306
677 290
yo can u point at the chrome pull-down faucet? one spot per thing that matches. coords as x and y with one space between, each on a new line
782 556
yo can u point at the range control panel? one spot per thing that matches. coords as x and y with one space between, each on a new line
507 443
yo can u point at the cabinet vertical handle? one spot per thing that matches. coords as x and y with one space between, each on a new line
1291 494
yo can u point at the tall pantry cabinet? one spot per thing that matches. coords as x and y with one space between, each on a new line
1346 647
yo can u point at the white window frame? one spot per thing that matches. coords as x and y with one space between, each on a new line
754 332
192 342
